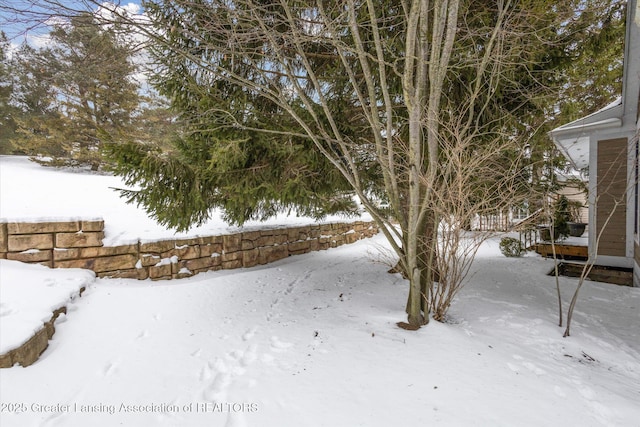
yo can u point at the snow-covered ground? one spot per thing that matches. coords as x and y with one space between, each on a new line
311 341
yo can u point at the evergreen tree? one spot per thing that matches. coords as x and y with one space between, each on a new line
7 110
593 77
589 77
92 96
37 118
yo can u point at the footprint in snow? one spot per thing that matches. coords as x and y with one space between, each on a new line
559 391
110 368
216 391
278 345
249 334
205 373
143 334
6 310
513 367
533 368
235 419
587 393
249 356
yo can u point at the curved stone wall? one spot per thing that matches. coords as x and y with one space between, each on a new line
78 244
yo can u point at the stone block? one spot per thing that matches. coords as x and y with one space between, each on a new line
157 247
230 265
61 254
94 225
314 245
250 257
233 256
174 268
351 238
28 352
188 242
23 242
79 240
182 273
148 260
183 252
43 227
45 263
135 273
232 242
303 233
292 234
214 268
100 251
269 240
326 229
76 263
247 244
272 253
210 249
299 247
251 235
3 237
281 238
210 240
160 271
201 263
34 255
116 262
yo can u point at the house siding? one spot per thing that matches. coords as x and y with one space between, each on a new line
611 189
576 194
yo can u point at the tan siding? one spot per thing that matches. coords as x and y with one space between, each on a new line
611 188
575 194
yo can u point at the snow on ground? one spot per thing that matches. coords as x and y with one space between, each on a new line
30 192
29 294
311 341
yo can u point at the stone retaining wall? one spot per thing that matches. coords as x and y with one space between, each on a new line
29 352
78 244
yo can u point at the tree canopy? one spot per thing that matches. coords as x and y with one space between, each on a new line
75 92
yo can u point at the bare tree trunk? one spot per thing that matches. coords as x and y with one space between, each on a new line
586 270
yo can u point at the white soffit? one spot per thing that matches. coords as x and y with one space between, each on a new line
576 150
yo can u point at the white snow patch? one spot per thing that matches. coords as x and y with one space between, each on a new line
29 294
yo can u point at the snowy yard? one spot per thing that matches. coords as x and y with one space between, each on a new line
311 341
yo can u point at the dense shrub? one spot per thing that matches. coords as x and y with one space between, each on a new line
511 247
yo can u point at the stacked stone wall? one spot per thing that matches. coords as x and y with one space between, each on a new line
79 244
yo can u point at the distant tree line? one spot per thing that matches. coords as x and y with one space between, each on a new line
61 102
